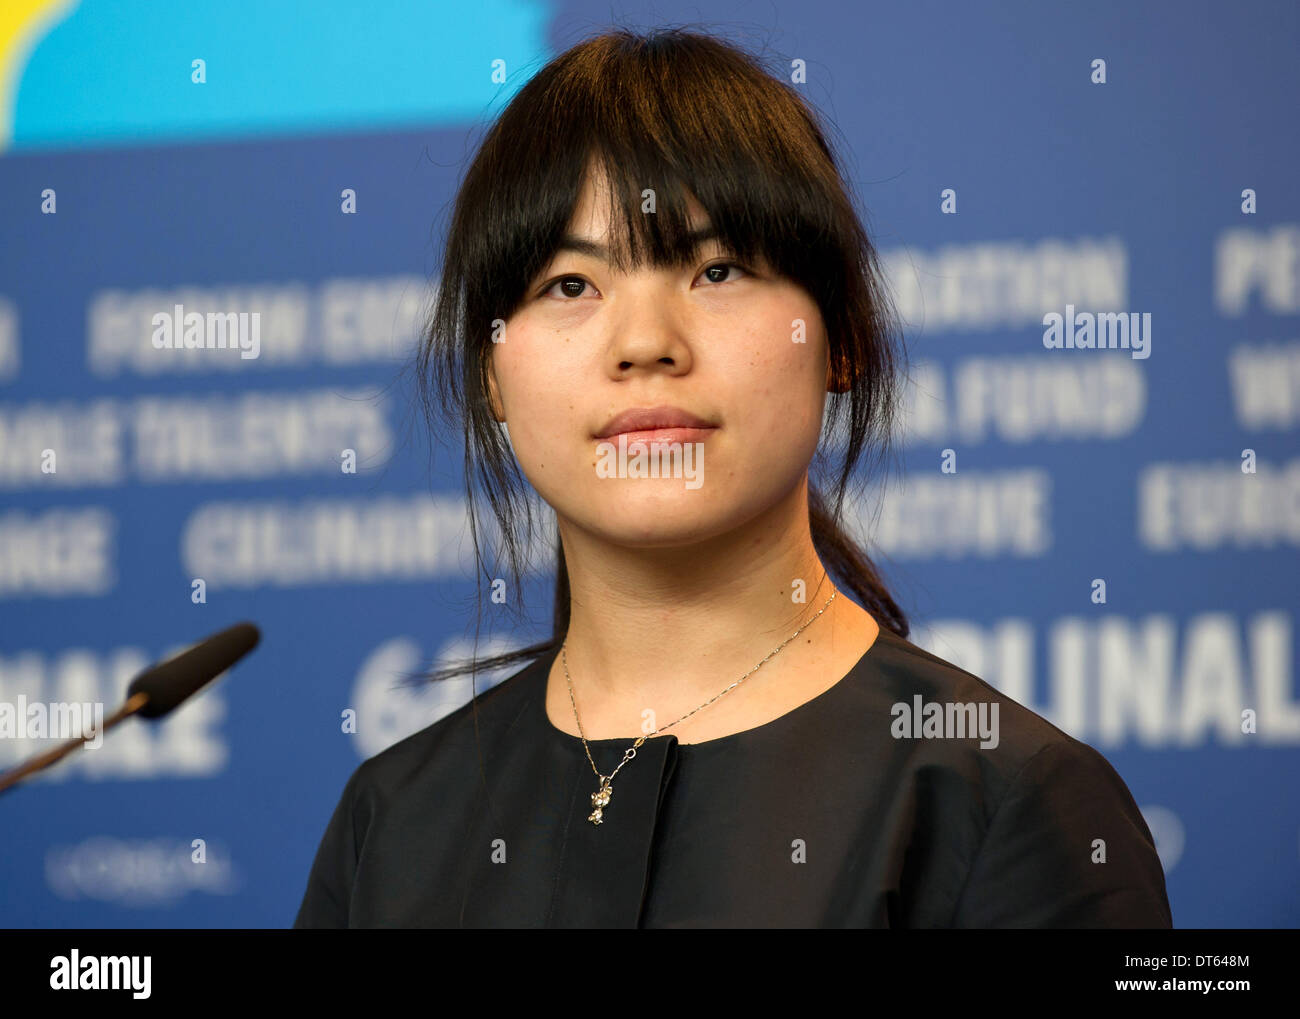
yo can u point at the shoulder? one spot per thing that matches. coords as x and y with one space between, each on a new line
942 711
480 722
1056 837
1066 846
388 795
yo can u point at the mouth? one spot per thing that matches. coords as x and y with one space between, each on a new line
665 436
657 424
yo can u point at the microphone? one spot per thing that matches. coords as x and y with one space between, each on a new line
170 682
158 690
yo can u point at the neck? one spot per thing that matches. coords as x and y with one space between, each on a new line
673 626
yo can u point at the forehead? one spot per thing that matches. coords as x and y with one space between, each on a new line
591 217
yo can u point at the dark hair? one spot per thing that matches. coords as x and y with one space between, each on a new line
691 116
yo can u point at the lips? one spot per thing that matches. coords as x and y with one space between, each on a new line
655 422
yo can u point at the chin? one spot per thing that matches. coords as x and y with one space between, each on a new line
658 523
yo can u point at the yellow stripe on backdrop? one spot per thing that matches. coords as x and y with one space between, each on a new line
23 23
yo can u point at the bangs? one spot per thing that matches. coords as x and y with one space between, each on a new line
661 122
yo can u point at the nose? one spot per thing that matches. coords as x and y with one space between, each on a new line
650 335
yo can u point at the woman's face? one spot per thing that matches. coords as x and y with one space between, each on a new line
720 342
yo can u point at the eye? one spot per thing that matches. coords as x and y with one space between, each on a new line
722 272
568 287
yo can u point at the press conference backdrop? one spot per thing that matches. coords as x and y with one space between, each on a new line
1107 533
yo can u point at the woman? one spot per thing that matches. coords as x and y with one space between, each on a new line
653 278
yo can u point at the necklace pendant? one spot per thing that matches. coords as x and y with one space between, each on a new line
599 800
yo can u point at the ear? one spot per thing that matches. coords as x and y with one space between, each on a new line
494 393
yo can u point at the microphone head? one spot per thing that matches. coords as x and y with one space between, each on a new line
169 683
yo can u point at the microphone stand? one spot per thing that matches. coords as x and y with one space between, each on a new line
11 778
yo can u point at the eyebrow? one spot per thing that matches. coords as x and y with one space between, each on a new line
583 246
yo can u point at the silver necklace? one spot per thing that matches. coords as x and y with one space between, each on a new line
604 791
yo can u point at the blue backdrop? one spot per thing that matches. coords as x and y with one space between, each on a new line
1108 535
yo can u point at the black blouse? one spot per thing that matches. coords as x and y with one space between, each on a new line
836 814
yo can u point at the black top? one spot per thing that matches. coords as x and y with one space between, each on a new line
822 817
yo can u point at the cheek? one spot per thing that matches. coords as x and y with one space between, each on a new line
534 381
528 366
781 368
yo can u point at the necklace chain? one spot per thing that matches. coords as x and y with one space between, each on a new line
600 798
